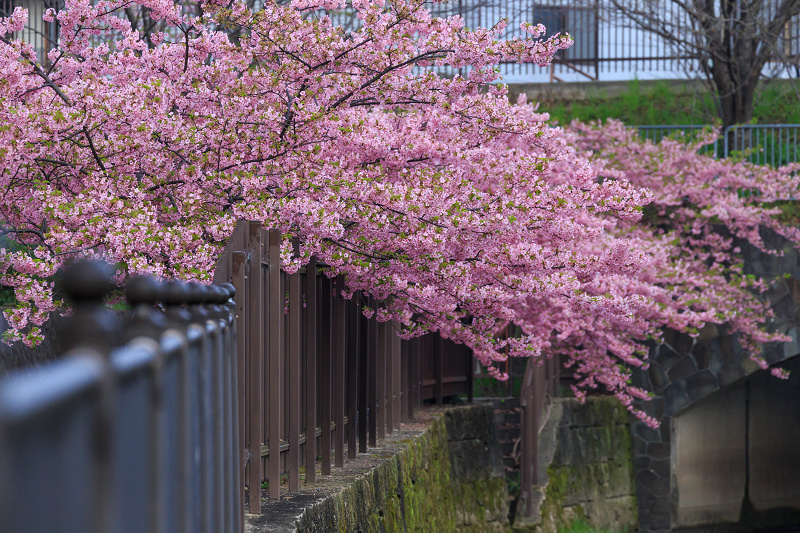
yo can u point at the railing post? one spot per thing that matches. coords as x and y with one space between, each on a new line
353 368
339 327
234 448
294 383
527 437
407 409
174 295
384 386
326 337
93 326
243 403
438 371
311 369
275 304
372 356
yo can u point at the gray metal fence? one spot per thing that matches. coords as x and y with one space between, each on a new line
606 41
138 438
762 144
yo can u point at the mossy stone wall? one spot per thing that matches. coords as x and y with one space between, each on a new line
448 479
586 469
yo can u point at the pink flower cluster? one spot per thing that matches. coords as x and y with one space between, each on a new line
460 211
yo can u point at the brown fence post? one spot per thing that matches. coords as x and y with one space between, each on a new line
325 359
407 410
293 344
527 435
362 388
373 384
438 363
385 414
275 305
239 285
255 344
470 375
397 373
339 325
311 369
353 330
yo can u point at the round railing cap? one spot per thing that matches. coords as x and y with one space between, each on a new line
230 288
174 292
143 290
86 280
217 294
198 293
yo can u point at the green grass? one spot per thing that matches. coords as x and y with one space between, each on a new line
659 103
580 526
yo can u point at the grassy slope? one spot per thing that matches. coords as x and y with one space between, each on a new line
777 103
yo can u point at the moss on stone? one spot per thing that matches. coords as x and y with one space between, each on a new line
590 478
415 491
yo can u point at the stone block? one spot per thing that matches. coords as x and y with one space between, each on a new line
683 368
701 385
676 398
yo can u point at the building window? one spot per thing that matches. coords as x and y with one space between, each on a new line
580 23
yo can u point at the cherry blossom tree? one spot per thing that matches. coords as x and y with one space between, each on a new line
458 210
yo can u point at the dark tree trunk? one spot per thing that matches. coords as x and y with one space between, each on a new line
736 100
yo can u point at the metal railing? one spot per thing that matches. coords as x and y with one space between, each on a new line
137 436
606 42
762 144
317 375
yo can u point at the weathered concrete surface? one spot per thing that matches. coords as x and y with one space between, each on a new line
710 460
774 441
441 474
685 370
585 468
735 458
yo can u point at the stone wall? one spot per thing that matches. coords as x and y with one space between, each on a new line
585 468
684 370
448 479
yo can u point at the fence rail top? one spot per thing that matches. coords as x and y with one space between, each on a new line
49 388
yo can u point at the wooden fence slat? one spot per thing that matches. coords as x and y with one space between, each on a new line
275 305
359 400
438 362
397 373
373 355
405 405
294 413
311 369
384 384
239 284
325 359
526 459
411 349
470 375
255 345
339 324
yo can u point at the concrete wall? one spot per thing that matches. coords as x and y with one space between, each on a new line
774 441
448 479
585 468
710 462
736 457
445 474
685 370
